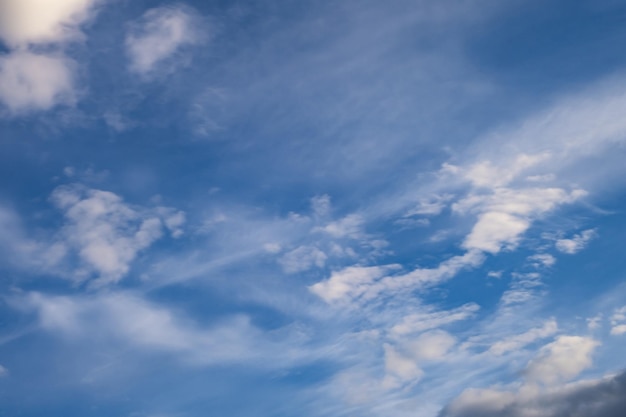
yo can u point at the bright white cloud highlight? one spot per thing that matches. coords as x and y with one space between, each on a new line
159 34
506 214
302 259
24 22
31 81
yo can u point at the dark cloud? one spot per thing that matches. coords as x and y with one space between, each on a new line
600 398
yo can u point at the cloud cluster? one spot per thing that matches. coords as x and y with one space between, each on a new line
544 392
106 233
36 74
98 240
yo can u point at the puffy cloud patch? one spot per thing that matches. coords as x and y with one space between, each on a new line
107 234
30 81
505 214
576 243
159 35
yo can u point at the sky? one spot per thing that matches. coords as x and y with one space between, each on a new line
312 208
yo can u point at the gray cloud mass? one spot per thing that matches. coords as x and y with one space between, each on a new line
604 397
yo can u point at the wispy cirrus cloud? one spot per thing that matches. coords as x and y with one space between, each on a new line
128 320
24 22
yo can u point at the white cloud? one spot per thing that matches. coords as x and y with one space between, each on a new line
174 221
493 230
618 321
159 35
321 205
128 320
31 81
594 322
524 288
302 259
521 340
576 243
24 22
349 282
399 368
505 214
542 259
431 346
487 400
402 362
418 322
562 359
618 329
3 371
106 233
349 226
430 206
486 174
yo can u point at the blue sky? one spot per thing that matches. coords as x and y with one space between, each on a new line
318 208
